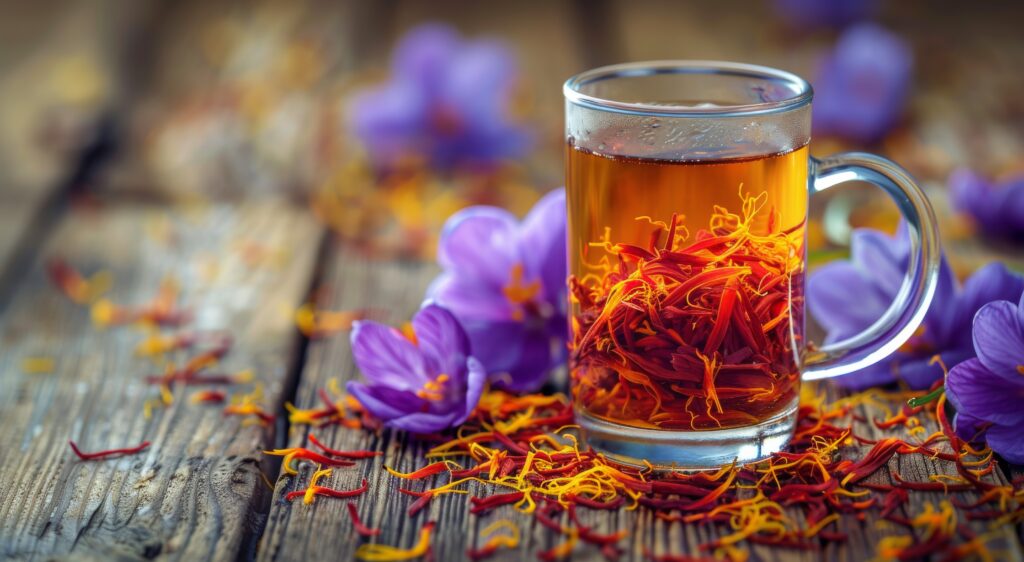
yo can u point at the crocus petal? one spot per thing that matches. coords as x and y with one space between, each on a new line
992 282
1012 209
497 345
997 210
389 119
919 372
879 374
479 244
423 54
1020 309
878 256
478 82
384 403
971 193
843 301
969 428
386 357
543 237
441 340
862 85
814 13
425 422
939 322
532 366
1007 441
469 300
999 340
975 391
458 412
476 380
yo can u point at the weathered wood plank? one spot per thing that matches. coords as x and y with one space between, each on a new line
197 492
62 69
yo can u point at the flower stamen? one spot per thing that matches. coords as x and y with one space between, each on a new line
433 389
519 293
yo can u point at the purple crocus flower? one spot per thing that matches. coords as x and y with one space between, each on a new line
862 85
988 391
997 210
505 281
830 13
422 383
848 296
447 101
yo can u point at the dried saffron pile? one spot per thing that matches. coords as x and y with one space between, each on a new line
525 452
691 336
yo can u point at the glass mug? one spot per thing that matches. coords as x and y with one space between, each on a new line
687 186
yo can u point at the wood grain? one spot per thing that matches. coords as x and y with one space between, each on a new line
197 493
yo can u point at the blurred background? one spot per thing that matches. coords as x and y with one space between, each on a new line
318 103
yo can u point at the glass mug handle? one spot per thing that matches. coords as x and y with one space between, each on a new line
908 309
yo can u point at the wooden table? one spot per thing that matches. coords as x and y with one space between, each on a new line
243 266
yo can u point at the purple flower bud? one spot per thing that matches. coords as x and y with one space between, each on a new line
422 384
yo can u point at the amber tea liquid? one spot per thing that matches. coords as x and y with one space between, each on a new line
687 283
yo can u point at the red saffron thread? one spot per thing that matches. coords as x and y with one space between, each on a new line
357 523
109 453
329 492
343 454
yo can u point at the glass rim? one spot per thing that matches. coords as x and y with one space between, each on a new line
571 88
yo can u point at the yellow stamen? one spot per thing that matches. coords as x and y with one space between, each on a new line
517 292
434 388
409 333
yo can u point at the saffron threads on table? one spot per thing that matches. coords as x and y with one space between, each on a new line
109 453
247 405
696 335
302 453
518 445
215 344
314 490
